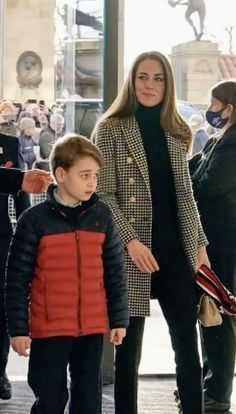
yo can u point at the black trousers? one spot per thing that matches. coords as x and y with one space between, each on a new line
175 290
47 376
5 240
219 342
4 337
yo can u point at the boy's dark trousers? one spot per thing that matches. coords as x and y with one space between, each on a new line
47 376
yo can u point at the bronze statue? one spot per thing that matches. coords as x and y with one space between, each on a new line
192 7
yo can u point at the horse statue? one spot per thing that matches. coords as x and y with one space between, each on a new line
192 7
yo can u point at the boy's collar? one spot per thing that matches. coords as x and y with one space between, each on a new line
85 204
64 203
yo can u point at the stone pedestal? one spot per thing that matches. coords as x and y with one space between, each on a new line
22 95
196 69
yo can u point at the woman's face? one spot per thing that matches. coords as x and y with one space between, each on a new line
215 105
149 83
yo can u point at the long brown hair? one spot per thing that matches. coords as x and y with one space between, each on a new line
126 104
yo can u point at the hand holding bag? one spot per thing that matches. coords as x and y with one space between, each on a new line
210 284
208 314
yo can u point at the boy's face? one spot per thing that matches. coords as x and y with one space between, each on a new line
79 182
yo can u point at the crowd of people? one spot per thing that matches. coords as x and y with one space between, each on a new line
37 127
135 210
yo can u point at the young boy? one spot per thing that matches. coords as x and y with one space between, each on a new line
65 281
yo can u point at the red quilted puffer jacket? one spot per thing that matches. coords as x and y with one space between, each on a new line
66 279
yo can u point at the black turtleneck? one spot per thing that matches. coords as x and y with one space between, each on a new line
165 223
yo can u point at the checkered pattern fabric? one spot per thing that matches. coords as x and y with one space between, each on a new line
124 186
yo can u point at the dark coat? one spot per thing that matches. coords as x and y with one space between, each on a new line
10 156
10 180
214 182
47 138
68 272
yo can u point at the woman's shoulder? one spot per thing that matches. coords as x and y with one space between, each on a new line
116 122
176 142
229 137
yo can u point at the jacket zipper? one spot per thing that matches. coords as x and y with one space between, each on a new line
79 281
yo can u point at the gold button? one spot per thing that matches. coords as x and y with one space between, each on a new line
132 199
129 160
131 180
132 220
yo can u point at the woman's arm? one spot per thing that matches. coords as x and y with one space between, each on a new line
218 177
107 184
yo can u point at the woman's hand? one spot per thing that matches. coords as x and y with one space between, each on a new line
142 256
202 257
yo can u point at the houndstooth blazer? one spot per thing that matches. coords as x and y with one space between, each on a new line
124 186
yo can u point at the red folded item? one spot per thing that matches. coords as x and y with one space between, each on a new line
211 284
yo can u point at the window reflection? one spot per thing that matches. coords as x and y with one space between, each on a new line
79 54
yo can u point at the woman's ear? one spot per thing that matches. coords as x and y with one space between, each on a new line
230 109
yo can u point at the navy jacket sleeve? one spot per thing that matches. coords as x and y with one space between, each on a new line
115 277
19 273
10 180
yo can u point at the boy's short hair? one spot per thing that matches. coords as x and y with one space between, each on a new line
26 123
69 149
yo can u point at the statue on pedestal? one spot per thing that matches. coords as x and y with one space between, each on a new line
192 7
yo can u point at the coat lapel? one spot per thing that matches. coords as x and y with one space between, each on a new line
134 142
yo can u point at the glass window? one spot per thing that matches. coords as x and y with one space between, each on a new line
79 62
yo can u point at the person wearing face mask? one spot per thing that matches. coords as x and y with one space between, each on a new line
214 182
146 183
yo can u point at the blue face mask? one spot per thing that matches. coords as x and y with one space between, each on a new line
215 120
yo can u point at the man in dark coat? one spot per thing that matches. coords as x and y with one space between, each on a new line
10 156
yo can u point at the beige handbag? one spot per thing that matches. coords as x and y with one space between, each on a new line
208 314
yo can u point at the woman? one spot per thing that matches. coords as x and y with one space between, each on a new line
214 180
145 182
